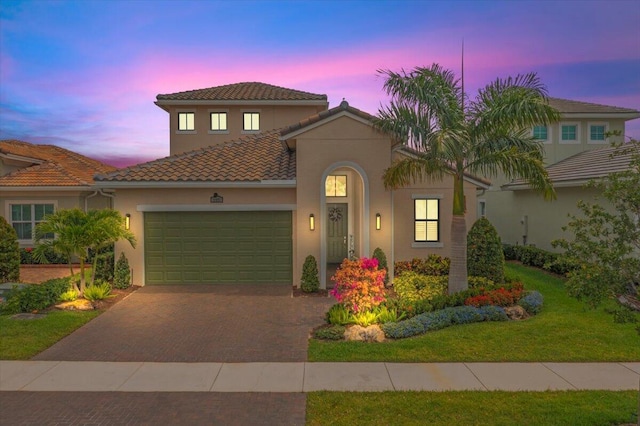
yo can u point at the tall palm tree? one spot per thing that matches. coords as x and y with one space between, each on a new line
452 135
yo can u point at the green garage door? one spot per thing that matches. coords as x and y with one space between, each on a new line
217 247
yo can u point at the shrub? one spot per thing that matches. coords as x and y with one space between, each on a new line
413 286
493 313
485 257
532 302
499 297
34 297
480 282
335 332
69 295
122 274
98 291
431 265
50 257
365 318
9 253
466 315
382 262
359 284
338 314
402 329
105 264
309 283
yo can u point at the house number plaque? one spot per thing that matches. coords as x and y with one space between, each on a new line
216 198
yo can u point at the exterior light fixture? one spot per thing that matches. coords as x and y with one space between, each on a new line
312 222
127 221
378 221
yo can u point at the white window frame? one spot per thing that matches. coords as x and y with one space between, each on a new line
597 141
186 131
252 129
423 244
8 215
547 140
482 208
572 141
224 131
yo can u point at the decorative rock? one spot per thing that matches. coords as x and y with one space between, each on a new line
373 333
76 305
516 312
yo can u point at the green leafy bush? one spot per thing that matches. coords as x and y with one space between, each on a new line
335 332
338 314
105 264
382 262
431 265
50 257
309 283
69 295
122 274
9 253
365 318
98 291
386 314
34 297
414 286
485 257
532 302
481 282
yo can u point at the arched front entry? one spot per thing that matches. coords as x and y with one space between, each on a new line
344 218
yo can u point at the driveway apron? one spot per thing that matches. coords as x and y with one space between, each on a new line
198 323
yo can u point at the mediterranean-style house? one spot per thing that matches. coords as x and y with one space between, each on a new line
36 180
519 214
260 177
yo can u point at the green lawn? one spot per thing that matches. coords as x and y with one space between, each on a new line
472 408
22 339
565 330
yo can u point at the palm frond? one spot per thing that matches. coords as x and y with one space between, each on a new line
413 169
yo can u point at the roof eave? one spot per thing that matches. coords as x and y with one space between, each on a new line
290 183
626 116
166 103
46 188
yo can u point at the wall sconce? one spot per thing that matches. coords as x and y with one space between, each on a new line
378 221
312 222
127 221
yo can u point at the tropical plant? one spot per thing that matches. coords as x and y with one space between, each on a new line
365 318
485 257
359 284
122 275
9 253
98 291
76 232
309 283
446 134
338 314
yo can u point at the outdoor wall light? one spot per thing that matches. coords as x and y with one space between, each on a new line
312 222
127 221
378 221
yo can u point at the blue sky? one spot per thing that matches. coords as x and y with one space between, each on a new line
84 74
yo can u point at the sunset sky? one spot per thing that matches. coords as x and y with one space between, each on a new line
84 75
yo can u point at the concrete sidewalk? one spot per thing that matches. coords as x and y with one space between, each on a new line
294 377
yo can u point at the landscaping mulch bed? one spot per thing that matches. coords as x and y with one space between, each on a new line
119 295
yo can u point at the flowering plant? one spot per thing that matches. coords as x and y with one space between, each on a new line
498 297
359 284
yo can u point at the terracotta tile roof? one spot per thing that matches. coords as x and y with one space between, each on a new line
49 165
582 167
253 158
249 91
344 106
575 107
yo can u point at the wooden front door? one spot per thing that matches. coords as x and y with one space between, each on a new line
337 232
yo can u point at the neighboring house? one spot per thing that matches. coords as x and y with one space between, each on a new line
293 178
36 180
521 215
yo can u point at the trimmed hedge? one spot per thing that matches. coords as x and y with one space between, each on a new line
412 286
538 258
431 265
35 297
485 257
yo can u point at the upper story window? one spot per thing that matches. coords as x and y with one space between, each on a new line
426 219
186 121
336 186
218 121
569 133
597 132
541 133
251 121
25 217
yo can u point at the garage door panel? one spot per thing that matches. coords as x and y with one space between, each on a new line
218 247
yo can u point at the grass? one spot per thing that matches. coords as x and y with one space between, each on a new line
564 331
472 408
22 339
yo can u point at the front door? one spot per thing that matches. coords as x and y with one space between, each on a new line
337 232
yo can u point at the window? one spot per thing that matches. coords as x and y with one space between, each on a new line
336 186
25 217
569 133
482 208
427 214
597 132
251 121
186 121
218 121
540 133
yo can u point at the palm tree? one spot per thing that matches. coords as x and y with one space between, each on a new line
449 134
76 232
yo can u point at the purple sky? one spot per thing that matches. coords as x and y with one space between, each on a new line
84 74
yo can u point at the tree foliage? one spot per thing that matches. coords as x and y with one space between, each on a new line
606 236
447 134
9 253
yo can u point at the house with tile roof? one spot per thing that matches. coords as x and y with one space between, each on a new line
36 180
577 150
260 177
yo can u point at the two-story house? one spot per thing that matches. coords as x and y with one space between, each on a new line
260 177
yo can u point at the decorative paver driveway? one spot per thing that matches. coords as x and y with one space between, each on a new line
198 323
